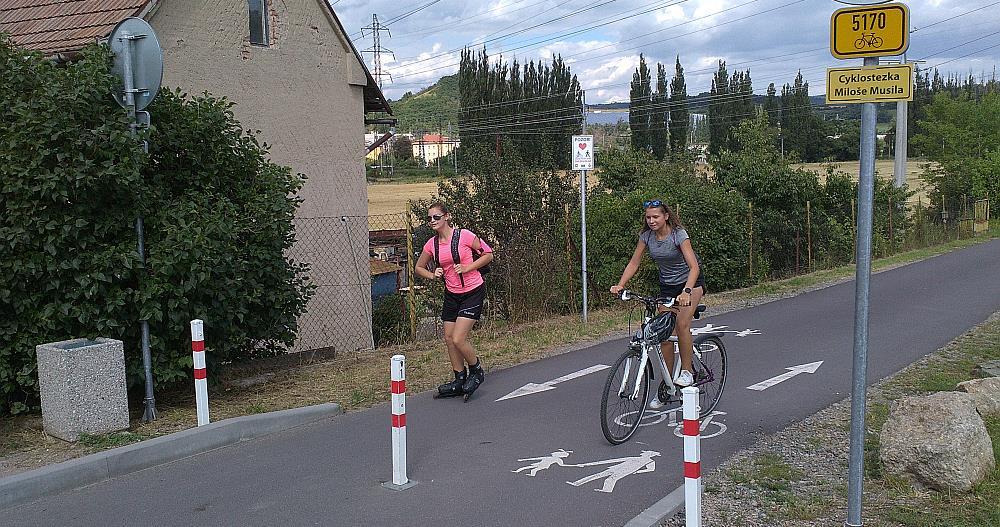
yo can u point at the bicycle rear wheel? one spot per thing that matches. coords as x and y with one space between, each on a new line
620 412
709 372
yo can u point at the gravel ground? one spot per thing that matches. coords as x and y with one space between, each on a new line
798 476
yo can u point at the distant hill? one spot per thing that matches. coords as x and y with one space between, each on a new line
436 105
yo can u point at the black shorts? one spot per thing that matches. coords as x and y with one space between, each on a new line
465 305
672 290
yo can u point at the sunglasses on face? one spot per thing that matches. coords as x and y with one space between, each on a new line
435 217
654 203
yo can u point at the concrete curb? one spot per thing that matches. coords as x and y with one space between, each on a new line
661 510
32 485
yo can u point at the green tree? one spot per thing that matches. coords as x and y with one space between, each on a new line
521 212
719 120
659 132
218 219
640 98
497 99
961 135
402 148
679 115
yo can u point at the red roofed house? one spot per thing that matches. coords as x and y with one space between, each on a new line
294 75
430 147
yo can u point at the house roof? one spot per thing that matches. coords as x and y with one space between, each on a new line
383 267
64 27
61 26
434 138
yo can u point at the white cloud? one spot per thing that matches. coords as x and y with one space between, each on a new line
605 64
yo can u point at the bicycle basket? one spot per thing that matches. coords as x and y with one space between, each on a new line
660 327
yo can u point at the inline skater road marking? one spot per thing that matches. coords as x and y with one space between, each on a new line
793 371
531 387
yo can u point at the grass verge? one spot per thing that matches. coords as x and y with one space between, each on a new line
358 380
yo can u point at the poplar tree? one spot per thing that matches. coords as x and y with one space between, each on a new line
679 116
640 94
659 115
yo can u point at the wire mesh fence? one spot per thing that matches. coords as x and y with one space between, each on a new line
360 266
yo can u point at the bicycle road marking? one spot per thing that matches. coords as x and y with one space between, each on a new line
654 417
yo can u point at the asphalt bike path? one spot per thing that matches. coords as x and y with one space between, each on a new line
538 457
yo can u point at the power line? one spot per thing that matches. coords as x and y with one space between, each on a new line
613 21
415 10
953 17
670 38
377 50
476 42
452 23
535 44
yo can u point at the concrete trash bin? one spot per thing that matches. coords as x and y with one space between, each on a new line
82 387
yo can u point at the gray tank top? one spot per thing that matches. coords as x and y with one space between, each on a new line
668 256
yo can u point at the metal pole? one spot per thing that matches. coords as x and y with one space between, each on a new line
866 189
583 214
410 273
899 165
149 403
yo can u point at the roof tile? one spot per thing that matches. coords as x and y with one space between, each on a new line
52 26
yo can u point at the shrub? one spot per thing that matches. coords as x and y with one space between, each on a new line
218 217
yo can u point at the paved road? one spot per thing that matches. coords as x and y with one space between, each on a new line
464 455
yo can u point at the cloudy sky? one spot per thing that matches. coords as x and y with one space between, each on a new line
602 39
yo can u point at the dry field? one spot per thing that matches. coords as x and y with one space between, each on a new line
883 170
390 198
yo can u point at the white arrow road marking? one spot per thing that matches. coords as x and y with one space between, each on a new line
793 371
531 387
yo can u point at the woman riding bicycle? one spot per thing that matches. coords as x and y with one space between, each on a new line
680 277
464 293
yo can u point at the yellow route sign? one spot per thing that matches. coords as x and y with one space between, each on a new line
869 84
870 31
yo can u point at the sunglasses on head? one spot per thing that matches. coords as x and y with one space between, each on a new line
654 203
435 217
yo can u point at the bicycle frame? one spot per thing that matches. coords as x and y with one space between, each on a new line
659 364
647 344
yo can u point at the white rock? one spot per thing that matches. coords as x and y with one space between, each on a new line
937 441
986 393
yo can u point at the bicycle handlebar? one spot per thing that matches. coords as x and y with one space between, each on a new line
627 295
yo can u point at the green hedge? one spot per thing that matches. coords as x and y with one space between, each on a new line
218 217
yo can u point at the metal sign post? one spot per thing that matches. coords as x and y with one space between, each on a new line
868 32
138 63
583 160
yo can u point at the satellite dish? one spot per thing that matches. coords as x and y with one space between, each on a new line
137 55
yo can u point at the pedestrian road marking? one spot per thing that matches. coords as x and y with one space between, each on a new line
620 468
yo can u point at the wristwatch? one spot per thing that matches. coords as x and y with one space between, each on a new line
687 290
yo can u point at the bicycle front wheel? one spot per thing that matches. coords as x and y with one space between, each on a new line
709 372
620 411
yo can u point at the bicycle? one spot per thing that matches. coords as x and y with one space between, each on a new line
868 40
627 388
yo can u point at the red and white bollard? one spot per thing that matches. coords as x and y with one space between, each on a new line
200 373
692 458
398 372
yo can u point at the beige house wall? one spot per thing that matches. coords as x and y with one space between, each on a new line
430 152
304 93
